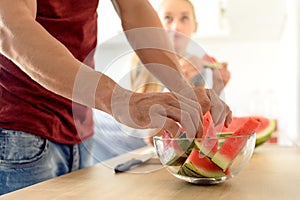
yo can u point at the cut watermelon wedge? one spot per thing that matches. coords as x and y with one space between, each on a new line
232 145
199 165
208 144
176 151
264 130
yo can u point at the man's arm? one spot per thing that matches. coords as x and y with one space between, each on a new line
45 59
151 42
48 62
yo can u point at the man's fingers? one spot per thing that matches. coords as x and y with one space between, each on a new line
180 110
172 128
200 129
189 122
228 119
191 111
218 109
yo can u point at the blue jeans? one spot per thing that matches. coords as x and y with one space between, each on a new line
26 159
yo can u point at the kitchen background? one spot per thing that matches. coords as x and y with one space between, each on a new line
260 39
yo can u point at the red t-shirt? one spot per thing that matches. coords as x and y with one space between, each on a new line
27 106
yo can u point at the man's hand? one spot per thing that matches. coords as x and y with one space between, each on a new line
221 113
209 101
158 110
165 110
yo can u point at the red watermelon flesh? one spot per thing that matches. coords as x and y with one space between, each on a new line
199 165
263 132
208 145
232 145
166 136
175 150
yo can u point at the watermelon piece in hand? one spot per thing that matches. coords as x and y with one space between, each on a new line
208 144
232 145
199 165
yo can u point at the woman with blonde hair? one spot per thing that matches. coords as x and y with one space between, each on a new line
179 19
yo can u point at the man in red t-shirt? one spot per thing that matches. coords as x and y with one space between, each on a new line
48 86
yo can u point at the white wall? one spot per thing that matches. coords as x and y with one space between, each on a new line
264 73
261 83
253 68
289 98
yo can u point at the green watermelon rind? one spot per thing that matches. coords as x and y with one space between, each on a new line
175 158
265 135
221 161
191 170
186 170
186 146
209 152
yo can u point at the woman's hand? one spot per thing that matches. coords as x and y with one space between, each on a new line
221 77
191 66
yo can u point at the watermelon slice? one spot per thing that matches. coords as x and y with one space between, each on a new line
232 145
263 132
209 144
176 151
199 165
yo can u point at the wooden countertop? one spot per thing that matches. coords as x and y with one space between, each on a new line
272 173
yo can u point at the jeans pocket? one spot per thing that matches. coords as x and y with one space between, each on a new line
18 148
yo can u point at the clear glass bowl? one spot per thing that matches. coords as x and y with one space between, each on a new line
205 161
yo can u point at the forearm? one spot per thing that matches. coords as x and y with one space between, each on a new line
151 42
218 88
35 51
46 60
